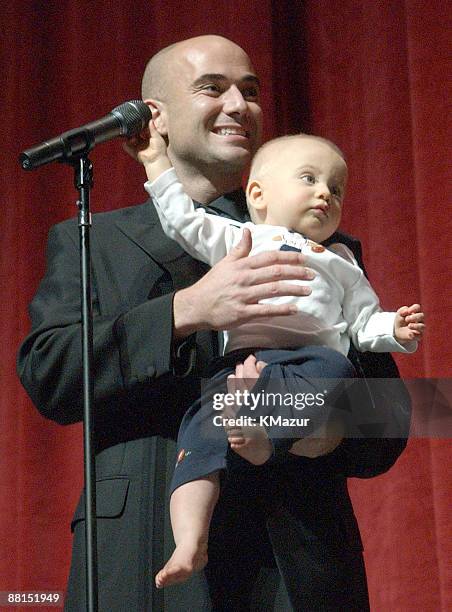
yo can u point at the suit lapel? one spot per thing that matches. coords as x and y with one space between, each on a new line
130 281
146 232
144 228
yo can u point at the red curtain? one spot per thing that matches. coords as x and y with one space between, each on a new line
371 76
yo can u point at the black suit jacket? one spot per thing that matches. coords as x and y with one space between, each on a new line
141 391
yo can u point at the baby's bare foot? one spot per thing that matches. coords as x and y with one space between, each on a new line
185 560
251 443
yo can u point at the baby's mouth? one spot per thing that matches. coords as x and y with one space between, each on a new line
321 211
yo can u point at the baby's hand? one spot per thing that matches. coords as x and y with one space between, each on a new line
149 148
155 149
409 323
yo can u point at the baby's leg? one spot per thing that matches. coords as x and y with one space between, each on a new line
191 508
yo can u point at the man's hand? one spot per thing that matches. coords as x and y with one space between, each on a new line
243 379
409 323
320 443
229 294
149 148
246 374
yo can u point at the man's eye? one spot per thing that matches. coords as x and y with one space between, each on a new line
211 88
308 178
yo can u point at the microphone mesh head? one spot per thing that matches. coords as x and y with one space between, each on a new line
133 116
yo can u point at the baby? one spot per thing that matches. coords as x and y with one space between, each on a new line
294 194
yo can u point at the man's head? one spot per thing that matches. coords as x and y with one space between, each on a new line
298 182
204 95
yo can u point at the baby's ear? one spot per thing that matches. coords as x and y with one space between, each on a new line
254 195
159 116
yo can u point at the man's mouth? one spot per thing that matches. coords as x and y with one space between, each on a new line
231 131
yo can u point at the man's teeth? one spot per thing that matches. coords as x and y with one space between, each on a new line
230 131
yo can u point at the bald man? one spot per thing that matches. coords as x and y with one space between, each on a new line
154 310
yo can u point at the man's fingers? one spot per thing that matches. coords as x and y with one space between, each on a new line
231 383
238 372
249 369
244 377
274 258
250 361
229 412
267 310
235 382
231 293
236 441
267 259
276 289
260 365
259 276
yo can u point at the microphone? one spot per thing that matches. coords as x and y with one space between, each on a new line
126 119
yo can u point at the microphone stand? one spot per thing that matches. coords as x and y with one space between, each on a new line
83 180
72 148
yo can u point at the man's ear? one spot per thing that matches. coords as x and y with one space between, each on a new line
255 195
159 115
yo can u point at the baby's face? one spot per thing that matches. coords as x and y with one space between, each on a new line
303 187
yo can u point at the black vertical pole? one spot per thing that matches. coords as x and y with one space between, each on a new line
83 182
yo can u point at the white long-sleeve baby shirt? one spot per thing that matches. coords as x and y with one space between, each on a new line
342 305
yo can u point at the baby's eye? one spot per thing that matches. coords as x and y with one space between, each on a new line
308 178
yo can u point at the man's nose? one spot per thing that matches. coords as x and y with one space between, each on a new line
234 102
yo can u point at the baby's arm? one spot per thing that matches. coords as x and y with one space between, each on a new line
154 157
204 236
409 323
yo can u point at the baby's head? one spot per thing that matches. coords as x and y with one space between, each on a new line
298 182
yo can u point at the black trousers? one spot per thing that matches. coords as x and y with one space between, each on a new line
285 519
289 521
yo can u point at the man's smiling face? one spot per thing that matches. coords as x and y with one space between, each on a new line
212 114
